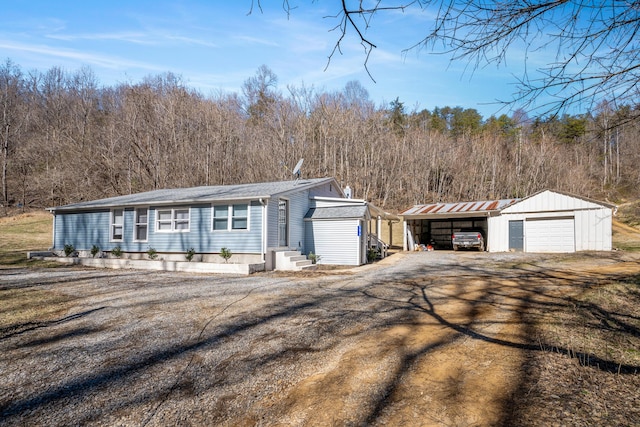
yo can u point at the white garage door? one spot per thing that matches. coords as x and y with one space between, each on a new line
550 235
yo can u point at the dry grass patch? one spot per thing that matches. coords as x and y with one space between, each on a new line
23 309
588 369
625 237
22 233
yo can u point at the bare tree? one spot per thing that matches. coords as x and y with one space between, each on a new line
11 117
594 47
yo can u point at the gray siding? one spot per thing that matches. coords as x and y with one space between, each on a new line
325 190
272 223
82 230
85 229
298 207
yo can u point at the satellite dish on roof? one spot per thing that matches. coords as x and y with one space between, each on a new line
296 169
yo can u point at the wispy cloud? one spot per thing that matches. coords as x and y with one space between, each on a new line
136 37
150 38
106 61
256 40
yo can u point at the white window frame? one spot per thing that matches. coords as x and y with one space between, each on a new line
113 225
230 217
173 220
137 224
287 211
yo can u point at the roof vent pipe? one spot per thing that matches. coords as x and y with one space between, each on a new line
347 192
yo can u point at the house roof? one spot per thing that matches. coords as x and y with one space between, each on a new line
337 212
460 209
204 194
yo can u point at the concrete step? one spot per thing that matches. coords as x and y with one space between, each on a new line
302 263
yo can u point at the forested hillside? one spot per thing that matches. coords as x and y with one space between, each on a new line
65 138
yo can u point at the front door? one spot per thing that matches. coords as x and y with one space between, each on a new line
516 236
283 223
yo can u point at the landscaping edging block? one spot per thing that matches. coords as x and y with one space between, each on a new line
158 265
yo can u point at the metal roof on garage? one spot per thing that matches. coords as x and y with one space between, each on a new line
459 209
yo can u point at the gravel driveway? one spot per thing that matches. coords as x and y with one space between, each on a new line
318 348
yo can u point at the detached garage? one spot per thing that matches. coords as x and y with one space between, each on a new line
551 221
547 221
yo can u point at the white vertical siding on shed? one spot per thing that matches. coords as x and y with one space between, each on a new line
336 241
593 230
497 234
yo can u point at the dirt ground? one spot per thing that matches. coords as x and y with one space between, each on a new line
418 339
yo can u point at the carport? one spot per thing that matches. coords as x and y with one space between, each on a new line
436 222
547 221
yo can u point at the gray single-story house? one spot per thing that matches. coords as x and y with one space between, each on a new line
547 221
263 223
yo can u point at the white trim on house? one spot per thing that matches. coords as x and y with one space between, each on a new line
173 221
287 214
113 225
137 224
229 218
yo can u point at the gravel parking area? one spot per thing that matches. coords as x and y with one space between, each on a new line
380 344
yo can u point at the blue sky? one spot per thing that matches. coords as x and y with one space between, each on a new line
216 45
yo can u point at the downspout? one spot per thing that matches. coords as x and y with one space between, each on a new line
264 230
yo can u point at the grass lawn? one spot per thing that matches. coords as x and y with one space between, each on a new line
21 233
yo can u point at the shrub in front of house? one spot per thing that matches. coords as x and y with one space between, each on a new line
69 250
152 253
225 254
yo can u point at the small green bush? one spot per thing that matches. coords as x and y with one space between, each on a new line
152 253
69 250
116 252
314 258
372 254
190 253
225 254
94 250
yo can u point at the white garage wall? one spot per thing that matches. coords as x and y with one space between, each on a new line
550 201
498 235
594 230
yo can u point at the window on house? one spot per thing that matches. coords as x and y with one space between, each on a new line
172 220
141 225
220 217
117 224
240 217
231 217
